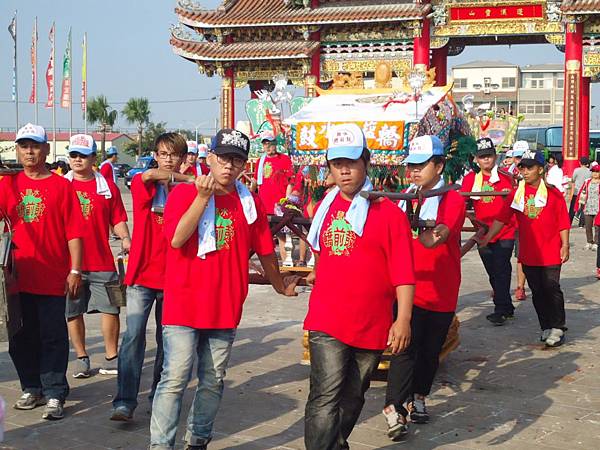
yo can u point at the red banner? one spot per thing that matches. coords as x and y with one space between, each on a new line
533 11
50 72
34 39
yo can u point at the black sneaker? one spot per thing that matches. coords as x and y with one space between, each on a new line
418 411
498 319
397 425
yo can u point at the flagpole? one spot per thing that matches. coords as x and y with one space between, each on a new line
84 83
53 97
35 87
71 85
16 78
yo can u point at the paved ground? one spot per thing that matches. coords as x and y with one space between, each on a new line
500 388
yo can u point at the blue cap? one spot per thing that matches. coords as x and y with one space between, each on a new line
346 140
82 143
531 158
422 148
112 151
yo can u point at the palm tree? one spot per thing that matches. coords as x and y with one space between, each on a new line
100 112
137 110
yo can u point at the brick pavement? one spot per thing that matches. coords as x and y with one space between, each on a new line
500 388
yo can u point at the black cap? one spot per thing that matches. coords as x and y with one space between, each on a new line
531 158
485 147
229 141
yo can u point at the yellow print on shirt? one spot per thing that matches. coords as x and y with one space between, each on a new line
86 204
339 237
267 170
531 210
224 229
32 207
487 188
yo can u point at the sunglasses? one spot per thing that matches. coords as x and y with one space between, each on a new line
74 155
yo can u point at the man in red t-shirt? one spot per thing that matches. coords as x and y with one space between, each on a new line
102 208
495 256
48 227
210 226
107 168
145 276
195 160
436 253
544 226
274 178
351 323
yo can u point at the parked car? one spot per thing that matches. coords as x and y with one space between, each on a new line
143 164
122 169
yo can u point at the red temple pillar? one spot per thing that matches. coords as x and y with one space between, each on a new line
421 46
228 99
439 60
584 141
572 87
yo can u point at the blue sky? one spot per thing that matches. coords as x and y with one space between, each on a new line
129 56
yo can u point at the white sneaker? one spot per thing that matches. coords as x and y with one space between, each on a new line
396 422
587 246
555 338
594 247
545 334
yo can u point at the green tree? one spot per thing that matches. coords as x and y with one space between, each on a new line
137 111
153 130
99 112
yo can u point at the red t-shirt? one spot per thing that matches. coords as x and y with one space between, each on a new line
277 173
539 228
99 213
45 215
355 288
146 265
193 170
488 208
437 270
210 292
106 170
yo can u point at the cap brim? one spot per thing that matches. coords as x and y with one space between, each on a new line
268 140
82 150
193 152
527 162
202 154
33 138
417 159
344 152
230 150
486 152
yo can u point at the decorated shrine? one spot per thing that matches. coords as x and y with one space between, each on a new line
339 44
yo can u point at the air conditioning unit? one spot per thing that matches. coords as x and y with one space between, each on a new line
486 90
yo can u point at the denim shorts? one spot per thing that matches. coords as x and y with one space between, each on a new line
93 297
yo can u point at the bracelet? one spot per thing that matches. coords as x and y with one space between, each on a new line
75 272
172 178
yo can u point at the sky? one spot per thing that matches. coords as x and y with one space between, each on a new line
129 56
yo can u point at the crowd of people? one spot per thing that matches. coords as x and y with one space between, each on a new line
196 222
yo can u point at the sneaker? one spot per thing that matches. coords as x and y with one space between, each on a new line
587 246
82 368
29 401
121 414
497 318
397 425
520 294
545 334
54 410
594 247
110 366
556 338
196 447
418 411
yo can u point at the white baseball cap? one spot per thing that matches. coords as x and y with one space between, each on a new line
346 140
192 147
509 153
33 132
267 135
82 143
422 148
202 150
519 148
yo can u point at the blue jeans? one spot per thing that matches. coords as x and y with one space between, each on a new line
496 260
133 345
212 348
339 377
40 349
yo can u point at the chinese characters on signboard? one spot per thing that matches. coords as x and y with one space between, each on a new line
379 135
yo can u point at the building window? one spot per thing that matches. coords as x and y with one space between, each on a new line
560 83
460 83
535 107
559 108
508 82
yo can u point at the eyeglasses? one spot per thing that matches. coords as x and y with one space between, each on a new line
166 155
75 155
235 161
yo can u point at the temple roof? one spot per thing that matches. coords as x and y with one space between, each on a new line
580 6
239 51
242 13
